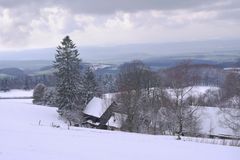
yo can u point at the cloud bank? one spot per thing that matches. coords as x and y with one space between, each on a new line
40 24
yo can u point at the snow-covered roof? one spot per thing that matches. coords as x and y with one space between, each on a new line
116 120
97 106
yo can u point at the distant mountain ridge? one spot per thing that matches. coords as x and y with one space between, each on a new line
228 49
12 72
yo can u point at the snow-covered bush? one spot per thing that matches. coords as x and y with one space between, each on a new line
38 93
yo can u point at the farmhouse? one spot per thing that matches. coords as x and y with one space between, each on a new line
103 113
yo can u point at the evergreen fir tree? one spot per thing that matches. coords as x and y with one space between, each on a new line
90 86
67 65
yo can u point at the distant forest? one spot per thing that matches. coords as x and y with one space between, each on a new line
15 78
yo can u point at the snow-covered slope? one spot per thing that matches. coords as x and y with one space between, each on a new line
22 138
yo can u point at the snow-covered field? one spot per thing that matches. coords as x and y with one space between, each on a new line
16 93
195 91
210 119
22 138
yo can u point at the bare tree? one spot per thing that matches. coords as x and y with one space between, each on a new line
135 76
183 115
143 97
134 81
231 86
231 115
230 107
158 107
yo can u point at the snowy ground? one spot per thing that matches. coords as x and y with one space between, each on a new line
210 118
22 138
195 91
16 93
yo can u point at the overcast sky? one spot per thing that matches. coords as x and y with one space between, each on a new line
43 23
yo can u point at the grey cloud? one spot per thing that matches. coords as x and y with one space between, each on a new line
110 6
233 14
24 11
16 37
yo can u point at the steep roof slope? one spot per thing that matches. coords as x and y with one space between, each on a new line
96 107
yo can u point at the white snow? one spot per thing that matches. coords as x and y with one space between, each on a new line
97 106
22 138
116 120
232 69
200 90
16 93
193 91
211 121
101 66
